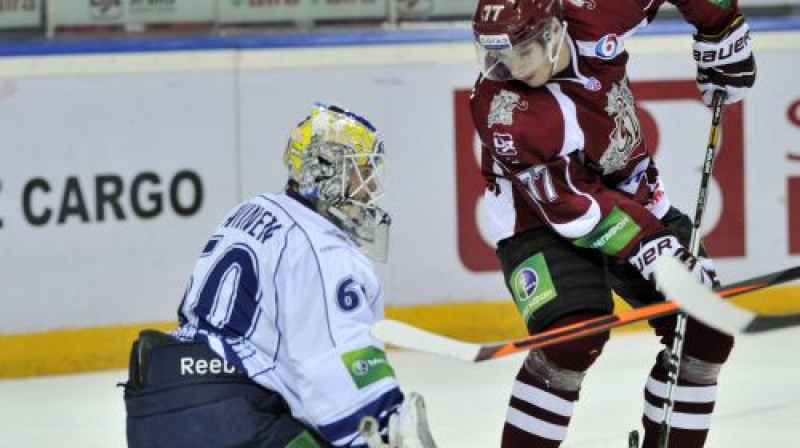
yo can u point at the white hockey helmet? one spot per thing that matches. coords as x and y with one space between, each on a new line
336 159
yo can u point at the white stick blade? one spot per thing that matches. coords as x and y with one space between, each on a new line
406 336
678 284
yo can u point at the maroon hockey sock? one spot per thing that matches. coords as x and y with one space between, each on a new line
540 410
538 415
691 415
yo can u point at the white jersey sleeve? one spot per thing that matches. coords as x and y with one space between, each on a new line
285 296
342 374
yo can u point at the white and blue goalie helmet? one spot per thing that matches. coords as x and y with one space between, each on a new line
337 160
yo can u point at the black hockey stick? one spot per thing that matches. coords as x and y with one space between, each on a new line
407 336
676 351
673 278
410 337
756 283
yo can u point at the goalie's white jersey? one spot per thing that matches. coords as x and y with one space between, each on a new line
285 296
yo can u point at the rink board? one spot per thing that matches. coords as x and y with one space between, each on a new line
89 349
181 135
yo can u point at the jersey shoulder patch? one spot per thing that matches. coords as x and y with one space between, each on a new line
516 122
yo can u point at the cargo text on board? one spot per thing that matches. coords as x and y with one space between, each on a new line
109 196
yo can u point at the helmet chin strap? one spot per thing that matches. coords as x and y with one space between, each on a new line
554 57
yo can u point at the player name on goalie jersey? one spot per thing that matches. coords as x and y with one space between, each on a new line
253 220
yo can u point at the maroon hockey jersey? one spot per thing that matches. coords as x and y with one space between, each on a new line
570 155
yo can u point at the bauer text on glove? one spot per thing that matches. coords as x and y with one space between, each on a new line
725 62
643 259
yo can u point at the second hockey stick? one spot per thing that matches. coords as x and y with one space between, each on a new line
407 336
673 278
676 351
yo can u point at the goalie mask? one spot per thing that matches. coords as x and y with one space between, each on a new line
336 159
519 39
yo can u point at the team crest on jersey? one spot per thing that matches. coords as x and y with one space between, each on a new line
627 132
504 144
501 111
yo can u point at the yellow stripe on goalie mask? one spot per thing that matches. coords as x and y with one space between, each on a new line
333 127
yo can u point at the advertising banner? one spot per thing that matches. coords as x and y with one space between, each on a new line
459 9
106 194
109 192
120 12
21 14
270 11
433 9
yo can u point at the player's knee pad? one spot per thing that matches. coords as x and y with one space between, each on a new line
694 370
549 373
563 366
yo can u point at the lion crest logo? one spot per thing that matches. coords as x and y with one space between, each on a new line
501 111
627 132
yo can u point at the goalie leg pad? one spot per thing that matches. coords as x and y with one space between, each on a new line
175 385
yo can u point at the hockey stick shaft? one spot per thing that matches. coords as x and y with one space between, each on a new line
708 166
578 330
407 336
697 300
603 323
676 351
760 282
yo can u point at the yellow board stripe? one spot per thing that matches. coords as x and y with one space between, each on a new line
88 349
69 351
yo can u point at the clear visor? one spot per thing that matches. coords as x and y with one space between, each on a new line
359 215
501 61
367 225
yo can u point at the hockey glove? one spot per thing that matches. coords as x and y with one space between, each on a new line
725 62
644 257
408 427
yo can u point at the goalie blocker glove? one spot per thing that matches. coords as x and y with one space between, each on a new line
725 62
643 258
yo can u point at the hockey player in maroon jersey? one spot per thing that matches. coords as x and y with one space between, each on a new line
576 200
